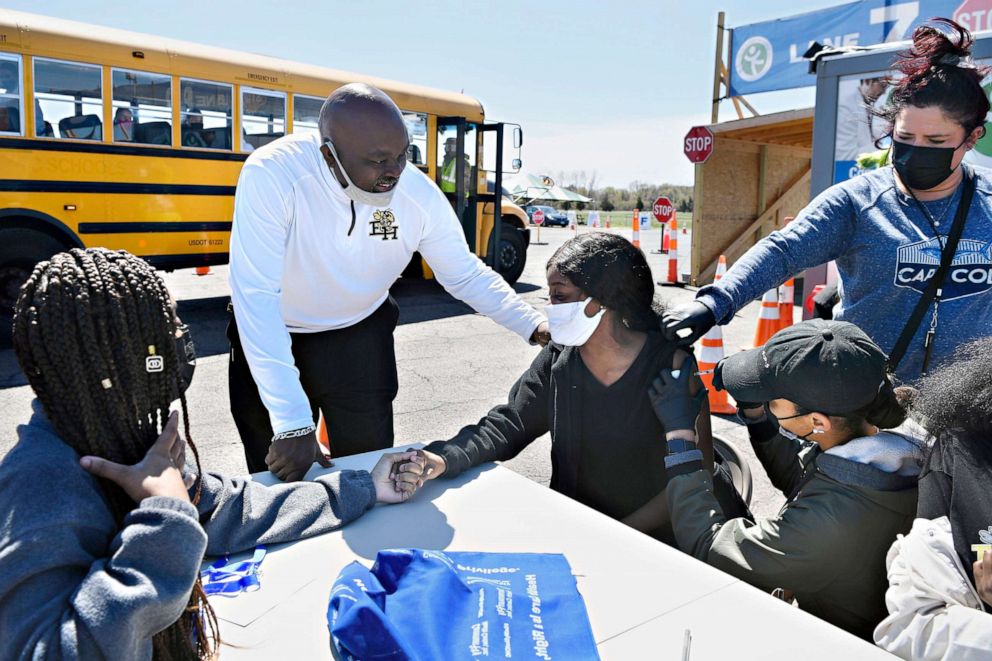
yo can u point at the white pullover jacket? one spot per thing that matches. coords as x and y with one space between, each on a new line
934 610
305 259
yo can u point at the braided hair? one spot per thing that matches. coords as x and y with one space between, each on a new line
611 270
84 324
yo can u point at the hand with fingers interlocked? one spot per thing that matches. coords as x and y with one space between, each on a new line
159 473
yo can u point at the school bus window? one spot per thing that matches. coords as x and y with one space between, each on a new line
10 95
416 126
71 98
205 117
306 110
142 105
263 117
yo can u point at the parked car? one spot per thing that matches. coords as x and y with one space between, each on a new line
552 216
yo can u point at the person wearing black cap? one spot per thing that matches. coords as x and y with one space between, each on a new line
833 436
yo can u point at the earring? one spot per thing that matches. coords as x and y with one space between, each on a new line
818 431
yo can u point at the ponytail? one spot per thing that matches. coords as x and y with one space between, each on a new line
890 406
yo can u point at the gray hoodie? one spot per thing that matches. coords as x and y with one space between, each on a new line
73 586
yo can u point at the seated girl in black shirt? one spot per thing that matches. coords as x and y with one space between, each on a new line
589 389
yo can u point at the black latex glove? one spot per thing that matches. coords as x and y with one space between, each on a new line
693 316
675 407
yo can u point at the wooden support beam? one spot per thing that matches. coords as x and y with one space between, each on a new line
737 107
762 178
717 69
749 106
697 224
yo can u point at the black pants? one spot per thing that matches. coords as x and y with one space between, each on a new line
349 374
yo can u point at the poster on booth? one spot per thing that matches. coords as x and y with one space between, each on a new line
858 128
422 604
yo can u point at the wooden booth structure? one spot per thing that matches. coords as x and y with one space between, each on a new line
757 176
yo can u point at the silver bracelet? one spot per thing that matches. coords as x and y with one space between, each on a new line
296 433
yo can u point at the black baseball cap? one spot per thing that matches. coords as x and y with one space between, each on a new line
830 367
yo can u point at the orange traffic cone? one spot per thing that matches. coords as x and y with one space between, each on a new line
768 318
672 277
711 353
636 229
666 238
786 294
202 270
608 216
322 434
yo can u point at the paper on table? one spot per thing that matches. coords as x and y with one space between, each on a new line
247 607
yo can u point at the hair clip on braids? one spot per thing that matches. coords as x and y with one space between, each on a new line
154 363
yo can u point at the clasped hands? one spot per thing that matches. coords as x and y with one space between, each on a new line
396 476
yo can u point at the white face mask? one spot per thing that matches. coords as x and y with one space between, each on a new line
569 324
356 194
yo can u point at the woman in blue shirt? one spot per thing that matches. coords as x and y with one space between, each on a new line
886 229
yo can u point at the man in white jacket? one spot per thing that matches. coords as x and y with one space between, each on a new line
322 228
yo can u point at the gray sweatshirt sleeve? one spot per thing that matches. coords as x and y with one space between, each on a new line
237 513
820 233
114 609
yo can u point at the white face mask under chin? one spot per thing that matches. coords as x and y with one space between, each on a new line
356 194
569 324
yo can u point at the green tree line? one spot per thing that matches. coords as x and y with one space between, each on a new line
636 195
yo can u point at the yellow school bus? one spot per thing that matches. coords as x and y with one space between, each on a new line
125 140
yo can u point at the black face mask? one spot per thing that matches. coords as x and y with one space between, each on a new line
922 168
186 356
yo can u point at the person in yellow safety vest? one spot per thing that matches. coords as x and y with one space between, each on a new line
449 168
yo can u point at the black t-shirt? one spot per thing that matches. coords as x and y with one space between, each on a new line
622 446
955 483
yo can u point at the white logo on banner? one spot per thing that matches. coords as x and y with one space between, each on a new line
754 59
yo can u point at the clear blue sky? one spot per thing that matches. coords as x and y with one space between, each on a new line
604 86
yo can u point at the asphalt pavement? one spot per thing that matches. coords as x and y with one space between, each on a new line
454 365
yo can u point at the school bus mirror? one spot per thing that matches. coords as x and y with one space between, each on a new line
517 164
518 140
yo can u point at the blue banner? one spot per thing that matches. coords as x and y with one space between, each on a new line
769 56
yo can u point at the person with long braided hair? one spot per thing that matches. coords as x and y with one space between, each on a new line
589 389
104 525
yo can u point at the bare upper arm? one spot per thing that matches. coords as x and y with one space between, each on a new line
678 359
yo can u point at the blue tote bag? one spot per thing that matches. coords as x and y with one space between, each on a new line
422 605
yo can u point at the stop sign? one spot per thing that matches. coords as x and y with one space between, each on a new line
698 144
538 217
663 209
974 15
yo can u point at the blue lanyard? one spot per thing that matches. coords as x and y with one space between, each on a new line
230 579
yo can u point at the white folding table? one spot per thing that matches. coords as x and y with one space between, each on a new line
641 595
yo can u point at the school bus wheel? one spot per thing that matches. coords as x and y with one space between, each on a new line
20 250
511 254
